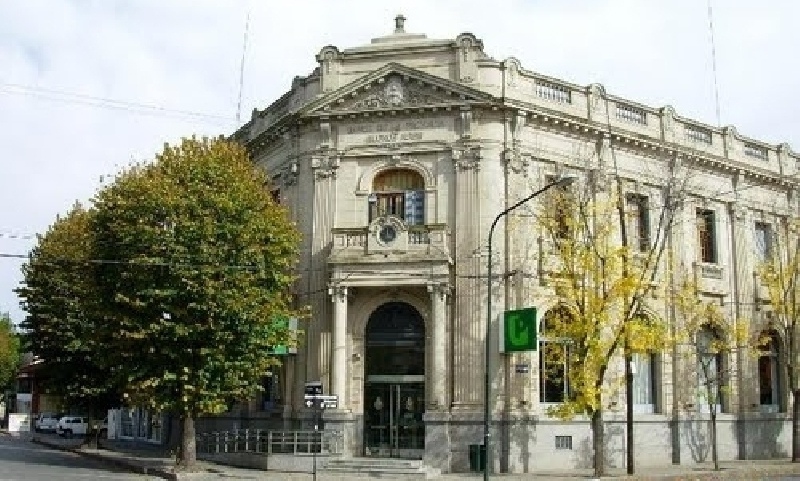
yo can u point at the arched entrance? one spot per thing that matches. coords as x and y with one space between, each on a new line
394 388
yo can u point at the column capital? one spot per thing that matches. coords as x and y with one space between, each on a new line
441 289
337 292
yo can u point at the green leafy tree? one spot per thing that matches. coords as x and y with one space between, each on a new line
61 325
9 351
198 264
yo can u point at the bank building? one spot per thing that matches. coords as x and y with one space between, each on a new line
394 157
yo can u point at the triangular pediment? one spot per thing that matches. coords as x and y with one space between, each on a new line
395 87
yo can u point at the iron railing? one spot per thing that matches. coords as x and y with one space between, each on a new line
261 441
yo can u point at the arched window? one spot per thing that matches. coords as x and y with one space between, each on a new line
400 193
709 368
769 387
554 358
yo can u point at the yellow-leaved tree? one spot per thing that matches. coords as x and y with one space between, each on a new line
707 341
780 278
602 284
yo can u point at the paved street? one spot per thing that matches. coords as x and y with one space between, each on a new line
22 460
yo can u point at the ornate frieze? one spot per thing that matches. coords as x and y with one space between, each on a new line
394 92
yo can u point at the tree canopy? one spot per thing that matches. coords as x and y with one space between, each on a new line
171 290
61 327
197 267
9 351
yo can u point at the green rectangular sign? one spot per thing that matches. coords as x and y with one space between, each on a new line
520 330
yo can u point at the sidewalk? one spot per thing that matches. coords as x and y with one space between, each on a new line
155 461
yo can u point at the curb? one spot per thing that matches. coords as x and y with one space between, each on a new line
120 462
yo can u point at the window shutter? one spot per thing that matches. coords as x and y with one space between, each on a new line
414 207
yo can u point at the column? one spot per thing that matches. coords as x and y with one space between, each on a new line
438 292
339 347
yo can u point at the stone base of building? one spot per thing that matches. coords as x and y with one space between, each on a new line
523 443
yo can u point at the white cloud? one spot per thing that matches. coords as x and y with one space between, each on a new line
185 55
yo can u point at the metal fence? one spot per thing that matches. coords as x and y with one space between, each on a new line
260 441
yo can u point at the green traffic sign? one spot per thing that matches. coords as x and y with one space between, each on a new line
519 330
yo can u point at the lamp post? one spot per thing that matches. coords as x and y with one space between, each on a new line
560 182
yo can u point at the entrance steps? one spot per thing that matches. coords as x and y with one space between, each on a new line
371 468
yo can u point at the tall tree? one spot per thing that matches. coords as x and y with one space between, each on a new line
61 324
601 282
198 263
9 351
780 278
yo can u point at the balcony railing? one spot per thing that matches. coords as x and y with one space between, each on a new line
418 238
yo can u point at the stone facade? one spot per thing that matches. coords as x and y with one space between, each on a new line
471 135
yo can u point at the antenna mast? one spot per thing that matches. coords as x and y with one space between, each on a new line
241 69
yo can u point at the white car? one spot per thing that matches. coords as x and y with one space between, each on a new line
68 426
46 422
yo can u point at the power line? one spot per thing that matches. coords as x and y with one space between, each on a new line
108 103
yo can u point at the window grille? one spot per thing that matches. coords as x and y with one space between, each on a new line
631 114
699 135
563 442
553 92
755 151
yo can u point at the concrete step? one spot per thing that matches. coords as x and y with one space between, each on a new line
383 468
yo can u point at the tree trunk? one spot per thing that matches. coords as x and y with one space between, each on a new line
188 455
714 453
796 425
598 442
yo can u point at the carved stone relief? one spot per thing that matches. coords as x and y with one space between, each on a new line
394 92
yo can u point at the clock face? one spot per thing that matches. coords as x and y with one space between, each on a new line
387 234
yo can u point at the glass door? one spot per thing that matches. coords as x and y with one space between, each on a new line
394 426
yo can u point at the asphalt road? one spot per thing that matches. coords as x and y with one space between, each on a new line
21 460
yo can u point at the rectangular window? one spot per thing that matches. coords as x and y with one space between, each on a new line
758 152
553 92
271 396
553 375
698 134
561 209
408 205
763 241
644 382
631 114
639 222
706 236
563 442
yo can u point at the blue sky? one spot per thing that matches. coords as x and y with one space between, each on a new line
58 57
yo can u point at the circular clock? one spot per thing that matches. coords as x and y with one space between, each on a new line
387 234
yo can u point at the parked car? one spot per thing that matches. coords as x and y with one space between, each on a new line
46 422
69 426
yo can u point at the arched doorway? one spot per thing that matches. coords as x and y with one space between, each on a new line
394 388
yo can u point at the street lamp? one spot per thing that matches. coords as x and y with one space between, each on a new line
562 181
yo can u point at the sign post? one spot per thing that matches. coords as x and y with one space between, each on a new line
317 401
